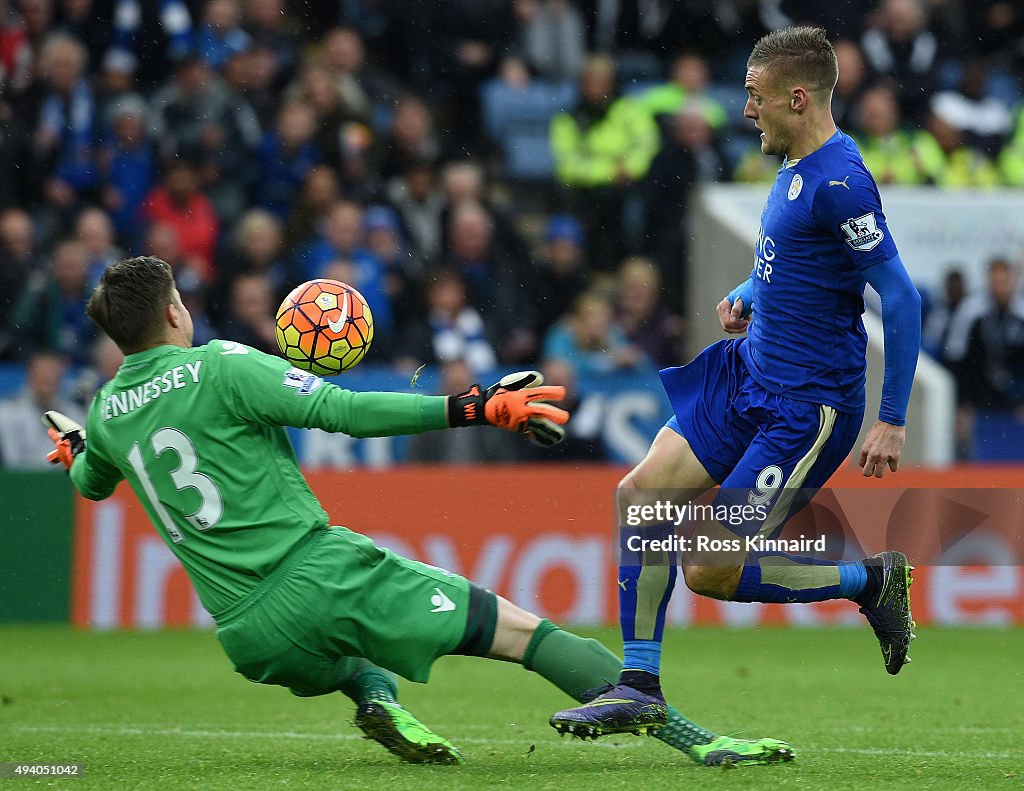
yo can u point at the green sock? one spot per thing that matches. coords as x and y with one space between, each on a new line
575 665
571 663
683 733
367 683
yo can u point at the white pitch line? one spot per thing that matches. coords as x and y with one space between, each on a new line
915 753
135 730
962 730
138 730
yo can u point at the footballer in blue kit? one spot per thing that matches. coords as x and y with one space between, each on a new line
770 417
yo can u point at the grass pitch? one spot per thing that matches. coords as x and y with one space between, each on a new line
165 711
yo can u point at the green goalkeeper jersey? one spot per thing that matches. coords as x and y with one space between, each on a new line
199 435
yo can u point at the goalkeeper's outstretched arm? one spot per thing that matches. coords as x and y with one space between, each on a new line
518 402
251 386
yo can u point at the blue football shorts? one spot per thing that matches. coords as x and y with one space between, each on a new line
765 450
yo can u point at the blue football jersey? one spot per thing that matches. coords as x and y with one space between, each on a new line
821 227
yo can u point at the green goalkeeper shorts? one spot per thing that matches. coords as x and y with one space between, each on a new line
339 596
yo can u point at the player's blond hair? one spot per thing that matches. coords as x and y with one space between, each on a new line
797 56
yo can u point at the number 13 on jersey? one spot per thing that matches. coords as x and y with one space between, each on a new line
184 476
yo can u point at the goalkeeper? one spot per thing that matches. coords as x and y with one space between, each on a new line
198 433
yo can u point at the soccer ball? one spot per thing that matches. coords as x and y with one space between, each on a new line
324 326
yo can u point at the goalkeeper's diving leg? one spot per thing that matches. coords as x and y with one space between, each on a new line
584 668
381 718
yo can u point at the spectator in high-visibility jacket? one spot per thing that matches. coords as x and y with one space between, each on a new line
962 165
602 148
893 155
686 89
1011 158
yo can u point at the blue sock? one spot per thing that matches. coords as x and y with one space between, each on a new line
646 580
852 578
642 655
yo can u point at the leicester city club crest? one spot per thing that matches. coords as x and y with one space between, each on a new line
795 186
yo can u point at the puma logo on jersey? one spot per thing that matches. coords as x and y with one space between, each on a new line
834 183
441 602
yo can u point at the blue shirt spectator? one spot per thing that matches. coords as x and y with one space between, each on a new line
339 249
591 342
220 37
66 130
287 154
127 165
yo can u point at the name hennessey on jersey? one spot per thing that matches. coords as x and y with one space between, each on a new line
124 402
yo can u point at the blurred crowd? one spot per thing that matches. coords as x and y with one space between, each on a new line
506 181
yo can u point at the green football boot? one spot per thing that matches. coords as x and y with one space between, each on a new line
742 752
402 734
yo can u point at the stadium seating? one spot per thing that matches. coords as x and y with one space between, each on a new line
518 120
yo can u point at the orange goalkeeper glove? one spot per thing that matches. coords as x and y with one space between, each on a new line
516 403
68 438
